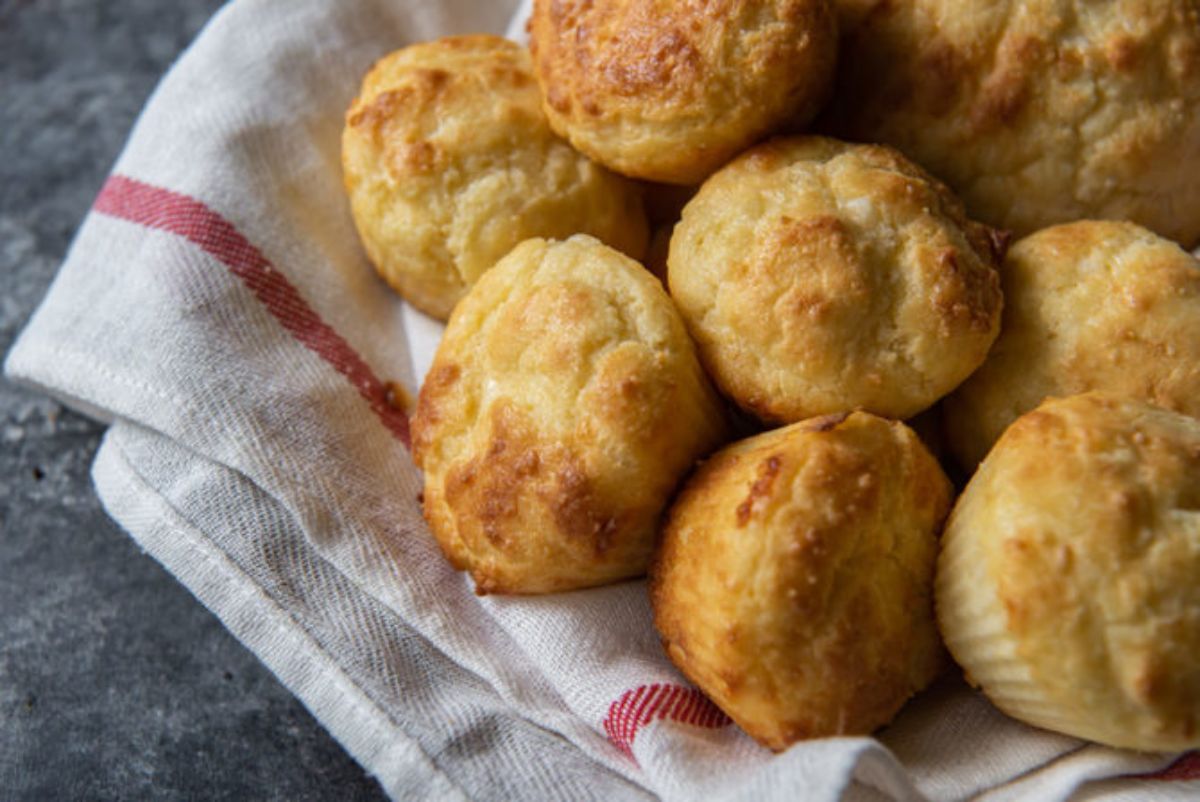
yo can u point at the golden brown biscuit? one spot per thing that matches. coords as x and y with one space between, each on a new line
1068 585
449 163
1088 306
564 404
670 91
1036 112
818 276
794 581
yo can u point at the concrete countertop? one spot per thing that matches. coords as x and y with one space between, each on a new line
114 682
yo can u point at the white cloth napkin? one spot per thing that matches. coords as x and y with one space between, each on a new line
217 309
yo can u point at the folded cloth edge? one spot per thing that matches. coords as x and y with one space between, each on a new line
402 767
267 626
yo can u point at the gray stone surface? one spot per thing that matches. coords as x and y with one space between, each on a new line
114 682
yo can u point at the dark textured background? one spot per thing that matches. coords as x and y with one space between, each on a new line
114 682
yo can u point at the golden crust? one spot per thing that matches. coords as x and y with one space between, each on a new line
1036 112
564 404
818 276
449 163
1069 582
1090 305
670 91
793 582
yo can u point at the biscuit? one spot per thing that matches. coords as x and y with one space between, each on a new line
671 91
794 582
449 162
818 276
564 404
1035 112
1088 306
1068 586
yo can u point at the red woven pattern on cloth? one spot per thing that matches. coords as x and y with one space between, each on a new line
1185 768
184 216
638 707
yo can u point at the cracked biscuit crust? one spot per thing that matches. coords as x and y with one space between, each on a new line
1092 305
564 404
794 583
449 162
1038 112
669 91
1068 586
818 276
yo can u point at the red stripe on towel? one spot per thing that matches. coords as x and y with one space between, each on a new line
186 217
638 707
1185 768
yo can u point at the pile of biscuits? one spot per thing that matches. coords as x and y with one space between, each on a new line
698 270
